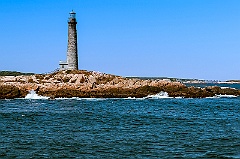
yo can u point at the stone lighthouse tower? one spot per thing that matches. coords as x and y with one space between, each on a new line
72 52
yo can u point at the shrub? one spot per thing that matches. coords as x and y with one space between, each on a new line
14 73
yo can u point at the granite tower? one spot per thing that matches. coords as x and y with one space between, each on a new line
72 52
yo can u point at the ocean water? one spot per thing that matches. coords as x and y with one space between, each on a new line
202 85
120 128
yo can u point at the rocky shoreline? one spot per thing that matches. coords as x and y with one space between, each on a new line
91 84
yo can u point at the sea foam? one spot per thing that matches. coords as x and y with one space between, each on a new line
33 95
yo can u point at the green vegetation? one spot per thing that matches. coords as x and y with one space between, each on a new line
14 73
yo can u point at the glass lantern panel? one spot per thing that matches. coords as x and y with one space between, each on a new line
72 15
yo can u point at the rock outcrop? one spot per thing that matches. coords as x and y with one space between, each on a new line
98 85
11 92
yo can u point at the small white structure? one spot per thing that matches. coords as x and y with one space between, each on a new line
63 65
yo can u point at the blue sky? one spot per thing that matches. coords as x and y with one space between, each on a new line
165 38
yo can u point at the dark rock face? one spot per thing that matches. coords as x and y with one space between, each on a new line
10 92
173 91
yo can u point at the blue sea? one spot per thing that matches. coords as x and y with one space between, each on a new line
120 128
202 85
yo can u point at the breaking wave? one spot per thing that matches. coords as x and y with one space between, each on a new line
162 95
33 95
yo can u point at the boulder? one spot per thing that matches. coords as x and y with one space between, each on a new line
10 92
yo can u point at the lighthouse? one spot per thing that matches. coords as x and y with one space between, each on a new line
72 51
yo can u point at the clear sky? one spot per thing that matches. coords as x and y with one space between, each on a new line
164 38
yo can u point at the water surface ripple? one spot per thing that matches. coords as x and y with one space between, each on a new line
120 128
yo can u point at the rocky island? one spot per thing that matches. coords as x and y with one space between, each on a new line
91 84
